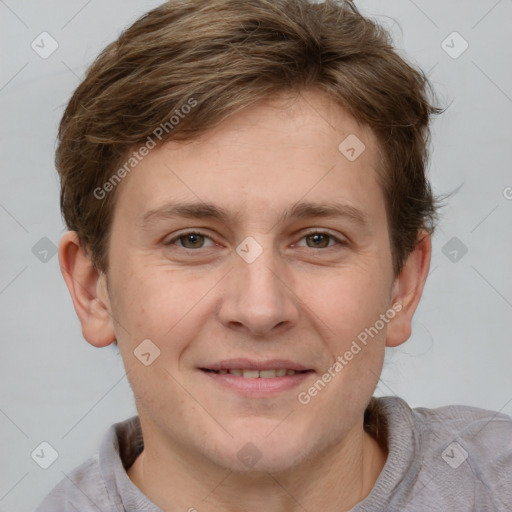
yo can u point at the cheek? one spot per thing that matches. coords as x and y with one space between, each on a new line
161 306
346 304
352 307
166 306
152 299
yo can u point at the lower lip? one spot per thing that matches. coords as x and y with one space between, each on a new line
259 386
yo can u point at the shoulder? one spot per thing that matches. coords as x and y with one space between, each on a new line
481 429
481 438
455 454
82 489
473 446
484 436
101 482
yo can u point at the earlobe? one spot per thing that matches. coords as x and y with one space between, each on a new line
88 291
407 290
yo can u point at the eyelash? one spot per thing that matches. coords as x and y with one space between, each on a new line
313 232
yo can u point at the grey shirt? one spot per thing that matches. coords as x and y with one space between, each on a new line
453 458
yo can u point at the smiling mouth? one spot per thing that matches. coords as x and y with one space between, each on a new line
257 374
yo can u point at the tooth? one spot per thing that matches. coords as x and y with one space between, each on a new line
263 374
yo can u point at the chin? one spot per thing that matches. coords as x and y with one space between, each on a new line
277 463
264 455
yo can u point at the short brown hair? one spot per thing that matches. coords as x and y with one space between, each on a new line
227 54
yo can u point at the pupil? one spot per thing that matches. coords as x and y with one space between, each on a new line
318 238
193 238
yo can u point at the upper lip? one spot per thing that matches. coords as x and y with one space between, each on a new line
250 364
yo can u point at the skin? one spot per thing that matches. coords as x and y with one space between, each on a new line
301 299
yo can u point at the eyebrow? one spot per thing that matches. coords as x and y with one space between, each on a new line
301 210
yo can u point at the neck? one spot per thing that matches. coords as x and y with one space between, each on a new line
333 481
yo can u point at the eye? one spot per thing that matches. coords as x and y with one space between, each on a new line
320 240
190 240
196 240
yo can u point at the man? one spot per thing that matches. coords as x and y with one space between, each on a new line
250 221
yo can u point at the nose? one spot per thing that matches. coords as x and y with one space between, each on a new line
258 298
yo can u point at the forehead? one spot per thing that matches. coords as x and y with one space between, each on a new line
274 154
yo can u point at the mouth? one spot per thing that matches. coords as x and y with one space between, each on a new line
257 374
253 378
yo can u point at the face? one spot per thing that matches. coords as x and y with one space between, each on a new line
224 255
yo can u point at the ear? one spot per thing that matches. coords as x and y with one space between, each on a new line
407 290
88 291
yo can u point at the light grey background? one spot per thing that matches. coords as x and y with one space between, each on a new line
56 388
